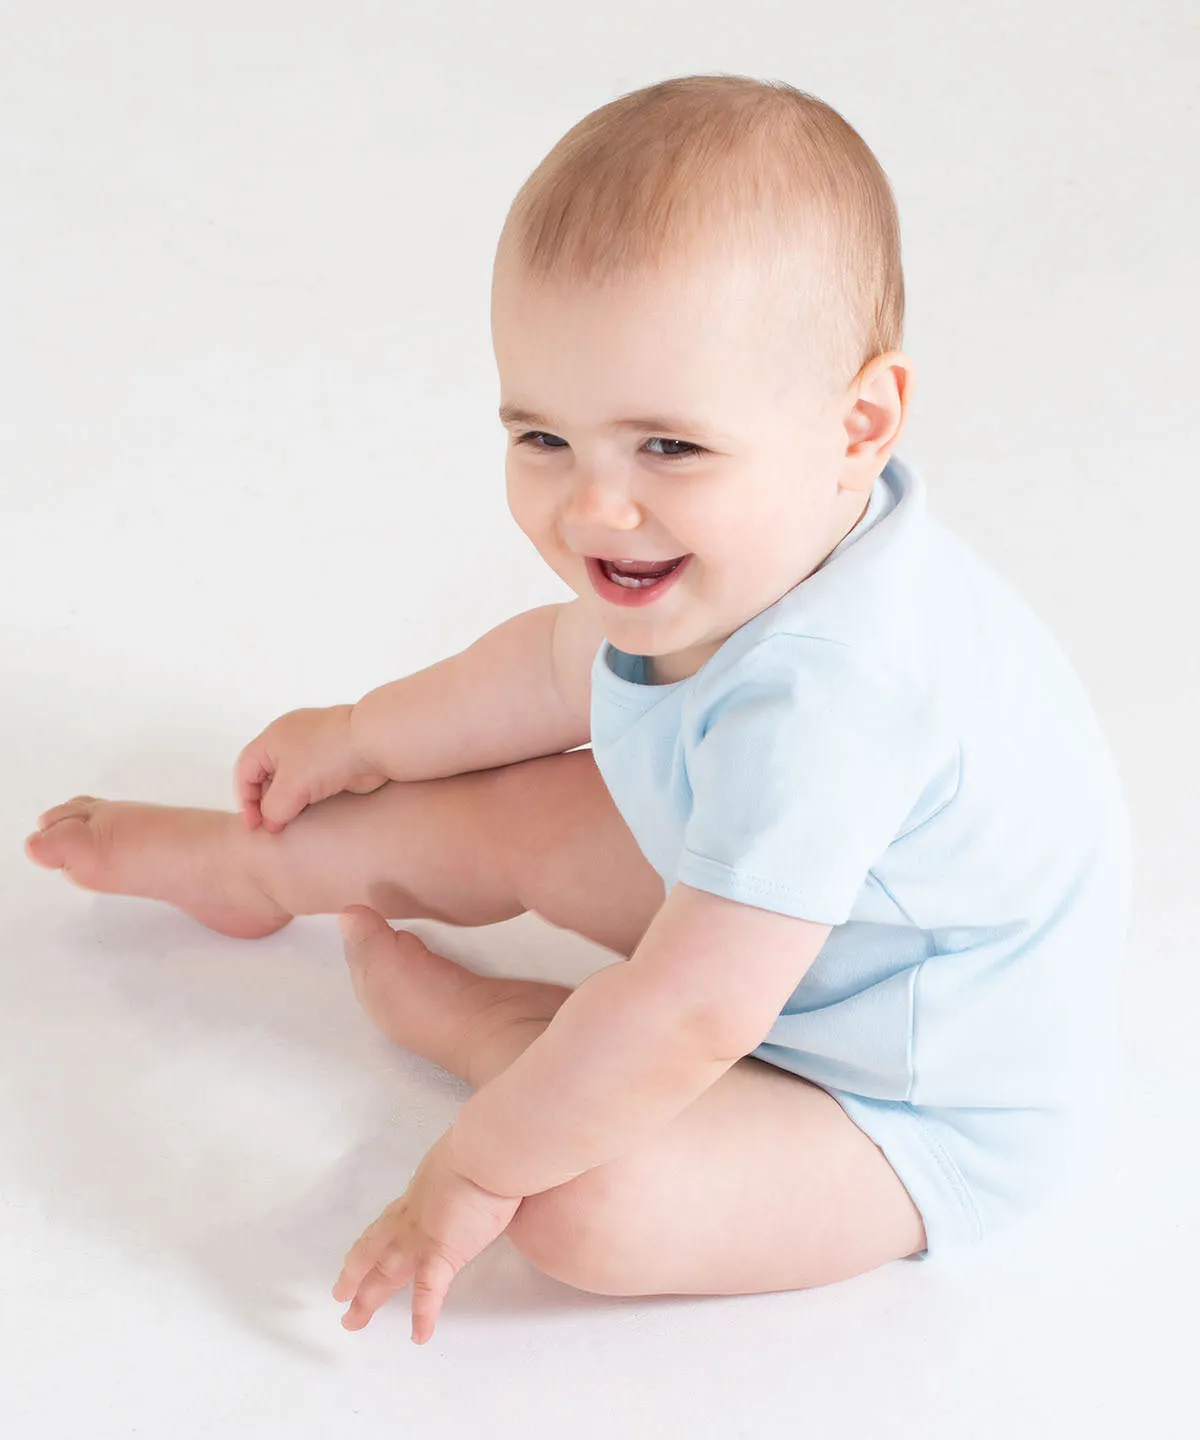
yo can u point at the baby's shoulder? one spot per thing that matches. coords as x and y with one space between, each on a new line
788 670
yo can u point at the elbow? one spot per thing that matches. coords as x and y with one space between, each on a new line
696 1035
732 1031
717 1036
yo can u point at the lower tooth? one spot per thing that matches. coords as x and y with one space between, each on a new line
633 582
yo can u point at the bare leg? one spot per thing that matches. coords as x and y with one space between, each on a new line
471 849
347 849
542 835
762 1183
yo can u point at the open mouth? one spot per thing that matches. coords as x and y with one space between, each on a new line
634 583
634 573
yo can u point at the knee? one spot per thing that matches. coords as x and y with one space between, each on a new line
537 806
580 1233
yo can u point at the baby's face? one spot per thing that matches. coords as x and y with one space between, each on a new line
736 459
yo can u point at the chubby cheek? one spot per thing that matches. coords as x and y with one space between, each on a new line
747 560
533 510
523 506
727 544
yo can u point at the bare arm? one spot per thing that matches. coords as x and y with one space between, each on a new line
515 693
635 1044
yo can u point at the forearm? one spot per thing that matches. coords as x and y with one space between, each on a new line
616 1064
491 704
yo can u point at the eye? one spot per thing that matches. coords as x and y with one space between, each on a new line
682 454
685 449
530 438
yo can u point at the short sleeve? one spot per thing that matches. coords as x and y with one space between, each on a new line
804 770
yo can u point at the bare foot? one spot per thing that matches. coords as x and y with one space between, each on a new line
193 859
437 1008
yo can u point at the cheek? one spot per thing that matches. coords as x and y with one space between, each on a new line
722 526
530 505
753 539
519 496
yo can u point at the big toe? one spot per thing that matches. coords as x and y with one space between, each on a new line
67 844
359 923
398 980
370 943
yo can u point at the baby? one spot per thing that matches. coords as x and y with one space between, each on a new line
847 814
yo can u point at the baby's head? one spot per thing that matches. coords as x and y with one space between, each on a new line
713 262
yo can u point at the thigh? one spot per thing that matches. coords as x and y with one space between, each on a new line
762 1183
573 859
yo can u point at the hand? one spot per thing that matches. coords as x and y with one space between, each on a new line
440 1222
304 756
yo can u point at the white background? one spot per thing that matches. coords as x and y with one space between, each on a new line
249 460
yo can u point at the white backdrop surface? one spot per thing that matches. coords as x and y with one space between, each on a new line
249 460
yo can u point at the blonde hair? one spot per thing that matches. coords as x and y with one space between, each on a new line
722 164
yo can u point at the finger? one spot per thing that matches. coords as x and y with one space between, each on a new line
248 775
282 803
380 1236
392 1273
360 1259
249 767
433 1277
250 811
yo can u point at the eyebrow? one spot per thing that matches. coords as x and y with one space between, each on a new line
515 415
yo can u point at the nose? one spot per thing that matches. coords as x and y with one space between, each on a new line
594 504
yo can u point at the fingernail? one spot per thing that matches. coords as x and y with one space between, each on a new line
344 924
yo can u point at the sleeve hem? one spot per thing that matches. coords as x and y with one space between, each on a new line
718 879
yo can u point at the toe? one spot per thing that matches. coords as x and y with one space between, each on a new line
373 953
358 921
366 935
72 846
410 993
78 808
373 949
58 843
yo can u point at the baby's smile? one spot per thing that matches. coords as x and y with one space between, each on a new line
632 583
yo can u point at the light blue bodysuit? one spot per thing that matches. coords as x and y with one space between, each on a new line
898 748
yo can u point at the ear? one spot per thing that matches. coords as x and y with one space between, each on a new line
878 403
